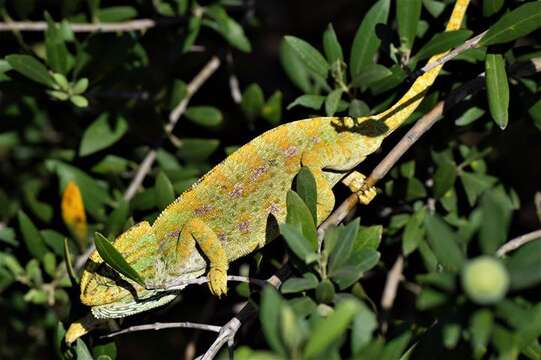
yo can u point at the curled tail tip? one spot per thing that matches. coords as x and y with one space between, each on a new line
81 327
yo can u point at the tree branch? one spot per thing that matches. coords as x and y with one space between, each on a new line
161 326
193 87
134 25
518 242
181 284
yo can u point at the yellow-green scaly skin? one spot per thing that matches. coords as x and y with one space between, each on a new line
230 212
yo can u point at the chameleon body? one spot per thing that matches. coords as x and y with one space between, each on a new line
234 208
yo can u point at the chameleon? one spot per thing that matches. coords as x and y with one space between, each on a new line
233 209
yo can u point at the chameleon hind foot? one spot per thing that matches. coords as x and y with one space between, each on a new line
217 281
196 230
356 182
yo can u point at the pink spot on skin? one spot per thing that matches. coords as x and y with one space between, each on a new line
237 191
222 237
202 210
273 208
290 151
244 227
258 172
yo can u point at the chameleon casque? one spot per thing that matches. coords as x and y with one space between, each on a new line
228 212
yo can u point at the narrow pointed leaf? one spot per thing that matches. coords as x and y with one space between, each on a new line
115 260
497 88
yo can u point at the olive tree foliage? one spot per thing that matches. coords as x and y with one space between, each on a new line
97 97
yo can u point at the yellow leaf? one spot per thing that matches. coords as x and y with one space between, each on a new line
73 213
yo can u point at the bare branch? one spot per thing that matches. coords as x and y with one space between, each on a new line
518 242
193 87
161 326
391 285
134 25
469 44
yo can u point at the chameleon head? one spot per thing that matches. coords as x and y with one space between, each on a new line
111 295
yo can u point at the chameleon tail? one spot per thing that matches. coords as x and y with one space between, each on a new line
400 111
82 327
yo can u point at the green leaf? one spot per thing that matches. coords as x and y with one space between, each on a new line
429 298
102 133
360 261
252 101
293 285
480 328
368 237
342 248
194 25
445 175
434 7
116 13
81 350
415 189
515 24
398 75
294 67
363 326
269 314
79 101
309 55
496 218
524 265
32 238
58 57
535 113
331 46
442 42
69 264
366 41
272 110
54 240
469 116
414 232
332 100
443 242
491 7
111 164
31 68
408 15
358 108
309 101
115 260
498 87
204 115
332 328
300 216
80 86
476 184
228 28
197 149
306 189
163 190
370 75
299 244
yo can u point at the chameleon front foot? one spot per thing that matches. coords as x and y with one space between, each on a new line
356 182
218 281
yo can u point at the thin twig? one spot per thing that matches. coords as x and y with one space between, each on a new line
134 25
469 44
230 329
161 326
192 88
518 242
391 285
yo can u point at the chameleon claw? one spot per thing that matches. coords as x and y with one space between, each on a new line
217 281
356 182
